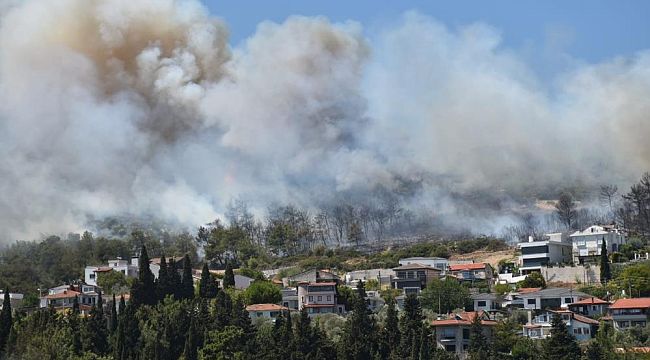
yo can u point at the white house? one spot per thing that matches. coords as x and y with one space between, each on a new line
555 298
555 248
319 298
588 242
383 276
15 299
486 302
581 327
241 282
265 311
62 297
129 269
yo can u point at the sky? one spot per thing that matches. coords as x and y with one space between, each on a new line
589 31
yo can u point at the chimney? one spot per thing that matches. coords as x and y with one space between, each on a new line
530 317
530 238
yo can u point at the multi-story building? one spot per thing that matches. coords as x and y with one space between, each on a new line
383 277
453 334
592 306
319 298
554 298
581 327
290 298
414 277
555 248
15 299
311 276
486 302
628 313
126 267
472 272
588 242
62 297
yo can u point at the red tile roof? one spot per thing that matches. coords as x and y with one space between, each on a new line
590 301
460 267
266 307
636 303
584 319
63 295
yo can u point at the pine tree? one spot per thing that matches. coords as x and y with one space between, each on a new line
187 282
605 271
6 320
223 310
229 276
479 348
208 287
560 345
143 291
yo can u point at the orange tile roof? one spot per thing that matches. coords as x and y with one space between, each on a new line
528 290
103 269
460 267
636 303
63 295
584 319
590 301
266 307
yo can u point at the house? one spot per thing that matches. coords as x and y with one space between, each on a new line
311 276
453 334
414 277
592 306
587 243
129 269
290 298
555 248
513 299
15 299
581 327
319 298
62 298
554 298
486 302
374 300
265 311
628 313
241 282
434 262
383 277
472 272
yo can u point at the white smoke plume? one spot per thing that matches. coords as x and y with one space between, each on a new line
142 107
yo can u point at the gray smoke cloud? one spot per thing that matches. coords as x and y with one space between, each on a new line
143 107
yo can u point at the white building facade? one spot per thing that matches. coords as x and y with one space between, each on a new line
554 249
588 242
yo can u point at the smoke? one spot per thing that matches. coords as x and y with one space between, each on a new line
142 107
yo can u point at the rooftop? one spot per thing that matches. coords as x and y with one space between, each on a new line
636 303
63 295
459 267
266 307
415 267
591 301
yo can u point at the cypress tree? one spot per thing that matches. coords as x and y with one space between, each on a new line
358 334
113 323
187 282
163 288
6 320
223 310
605 271
143 291
128 333
174 280
207 286
425 351
229 276
304 340
190 349
75 329
560 345
410 324
389 334
96 329
479 348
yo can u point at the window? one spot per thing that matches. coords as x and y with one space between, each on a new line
465 334
568 300
448 333
593 308
481 303
329 297
311 298
285 304
319 298
531 302
450 348
258 314
92 276
587 331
